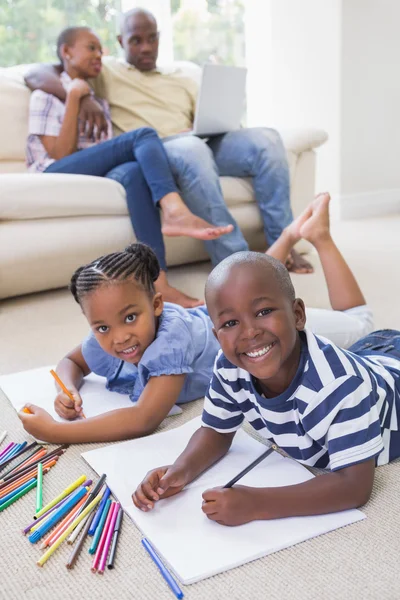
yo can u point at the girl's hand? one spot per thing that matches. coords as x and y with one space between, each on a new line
80 87
158 484
230 506
67 409
39 423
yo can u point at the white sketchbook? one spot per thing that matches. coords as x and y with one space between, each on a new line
190 544
37 386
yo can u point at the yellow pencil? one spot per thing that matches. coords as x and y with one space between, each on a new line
70 529
64 389
67 491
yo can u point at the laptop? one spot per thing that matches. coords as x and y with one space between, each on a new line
220 102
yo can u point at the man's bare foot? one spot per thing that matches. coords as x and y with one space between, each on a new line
316 228
295 263
171 294
178 220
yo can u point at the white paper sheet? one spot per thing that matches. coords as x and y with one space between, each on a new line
37 386
193 546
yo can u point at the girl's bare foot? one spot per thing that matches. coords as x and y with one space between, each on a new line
171 294
178 220
316 228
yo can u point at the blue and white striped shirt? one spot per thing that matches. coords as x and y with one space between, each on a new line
340 409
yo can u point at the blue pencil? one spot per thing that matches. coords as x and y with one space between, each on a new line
10 453
16 491
99 512
58 515
163 570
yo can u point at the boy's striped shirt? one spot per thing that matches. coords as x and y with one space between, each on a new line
340 409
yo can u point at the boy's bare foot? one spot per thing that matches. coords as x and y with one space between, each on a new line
295 263
293 230
171 294
316 228
178 220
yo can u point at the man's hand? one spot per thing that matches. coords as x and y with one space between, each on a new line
39 423
92 119
230 506
158 484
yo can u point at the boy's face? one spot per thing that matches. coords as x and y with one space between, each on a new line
123 318
257 325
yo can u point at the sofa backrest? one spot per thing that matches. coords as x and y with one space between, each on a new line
14 112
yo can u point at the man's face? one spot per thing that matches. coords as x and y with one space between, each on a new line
139 41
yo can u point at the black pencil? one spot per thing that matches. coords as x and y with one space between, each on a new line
250 467
93 493
114 543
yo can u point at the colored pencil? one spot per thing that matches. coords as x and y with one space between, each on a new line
39 489
107 543
16 491
73 557
13 454
77 530
56 452
6 449
250 467
57 516
100 527
25 461
9 452
3 436
48 463
163 570
103 537
27 411
67 532
36 523
65 389
95 490
18 496
62 495
19 482
61 527
117 528
99 511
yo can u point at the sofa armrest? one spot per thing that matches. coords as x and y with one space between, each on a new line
300 140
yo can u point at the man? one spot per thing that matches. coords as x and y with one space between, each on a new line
140 95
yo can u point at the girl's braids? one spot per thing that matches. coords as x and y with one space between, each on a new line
137 261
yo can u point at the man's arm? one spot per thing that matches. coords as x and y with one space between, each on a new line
46 78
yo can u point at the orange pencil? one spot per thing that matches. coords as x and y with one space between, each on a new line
19 482
39 454
64 389
31 473
26 410
64 524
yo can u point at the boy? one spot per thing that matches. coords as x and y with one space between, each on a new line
326 407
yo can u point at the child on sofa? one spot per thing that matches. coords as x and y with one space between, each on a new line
136 159
324 406
160 354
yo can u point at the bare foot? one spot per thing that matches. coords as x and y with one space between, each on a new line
316 227
295 263
171 294
293 230
178 220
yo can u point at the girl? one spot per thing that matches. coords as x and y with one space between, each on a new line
160 354
135 159
163 354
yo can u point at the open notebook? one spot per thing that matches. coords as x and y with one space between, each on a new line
37 386
193 546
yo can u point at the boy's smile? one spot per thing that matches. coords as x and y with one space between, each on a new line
257 325
123 318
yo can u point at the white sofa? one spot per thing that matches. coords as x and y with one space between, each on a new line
50 224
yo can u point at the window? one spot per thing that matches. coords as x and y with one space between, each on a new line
29 28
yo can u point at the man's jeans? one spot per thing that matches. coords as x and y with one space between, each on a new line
258 153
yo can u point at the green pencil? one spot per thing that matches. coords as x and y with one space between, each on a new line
39 489
18 496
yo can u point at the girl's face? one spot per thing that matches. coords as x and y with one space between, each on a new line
83 58
123 318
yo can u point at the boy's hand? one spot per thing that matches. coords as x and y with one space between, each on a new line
67 409
158 484
39 423
230 506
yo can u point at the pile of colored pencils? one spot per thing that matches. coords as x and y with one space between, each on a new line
27 473
77 512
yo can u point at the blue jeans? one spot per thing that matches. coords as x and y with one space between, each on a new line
384 341
137 160
257 153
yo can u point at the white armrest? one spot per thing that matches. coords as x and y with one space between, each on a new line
300 140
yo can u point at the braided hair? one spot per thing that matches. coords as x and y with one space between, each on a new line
137 262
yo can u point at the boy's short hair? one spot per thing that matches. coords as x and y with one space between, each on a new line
263 261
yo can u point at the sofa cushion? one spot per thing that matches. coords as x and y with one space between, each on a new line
14 112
